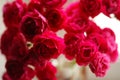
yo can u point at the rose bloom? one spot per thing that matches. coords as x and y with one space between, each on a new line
91 7
18 49
112 45
99 40
48 73
13 12
48 45
33 23
6 40
100 64
110 6
71 40
52 3
55 18
14 69
77 23
87 52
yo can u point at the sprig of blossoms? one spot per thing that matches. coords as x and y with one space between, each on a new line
30 40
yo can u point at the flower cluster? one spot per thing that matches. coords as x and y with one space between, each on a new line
30 40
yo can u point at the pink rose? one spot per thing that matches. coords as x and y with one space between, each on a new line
48 73
33 23
13 12
87 52
110 6
91 7
100 65
48 45
55 18
71 40
52 3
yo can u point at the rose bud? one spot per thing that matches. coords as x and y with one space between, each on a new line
100 65
48 45
87 52
33 23
13 12
55 18
91 7
52 3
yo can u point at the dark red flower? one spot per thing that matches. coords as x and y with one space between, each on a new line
13 12
87 52
91 7
100 65
14 69
33 23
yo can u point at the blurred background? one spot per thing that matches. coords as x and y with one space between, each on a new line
68 70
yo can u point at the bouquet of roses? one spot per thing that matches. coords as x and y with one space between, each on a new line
30 40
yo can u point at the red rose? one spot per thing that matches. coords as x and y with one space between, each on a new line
14 69
6 40
100 65
48 73
77 23
52 3
87 52
100 41
35 4
18 49
33 23
13 12
110 6
29 73
55 18
112 46
34 60
91 7
93 28
48 45
71 40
